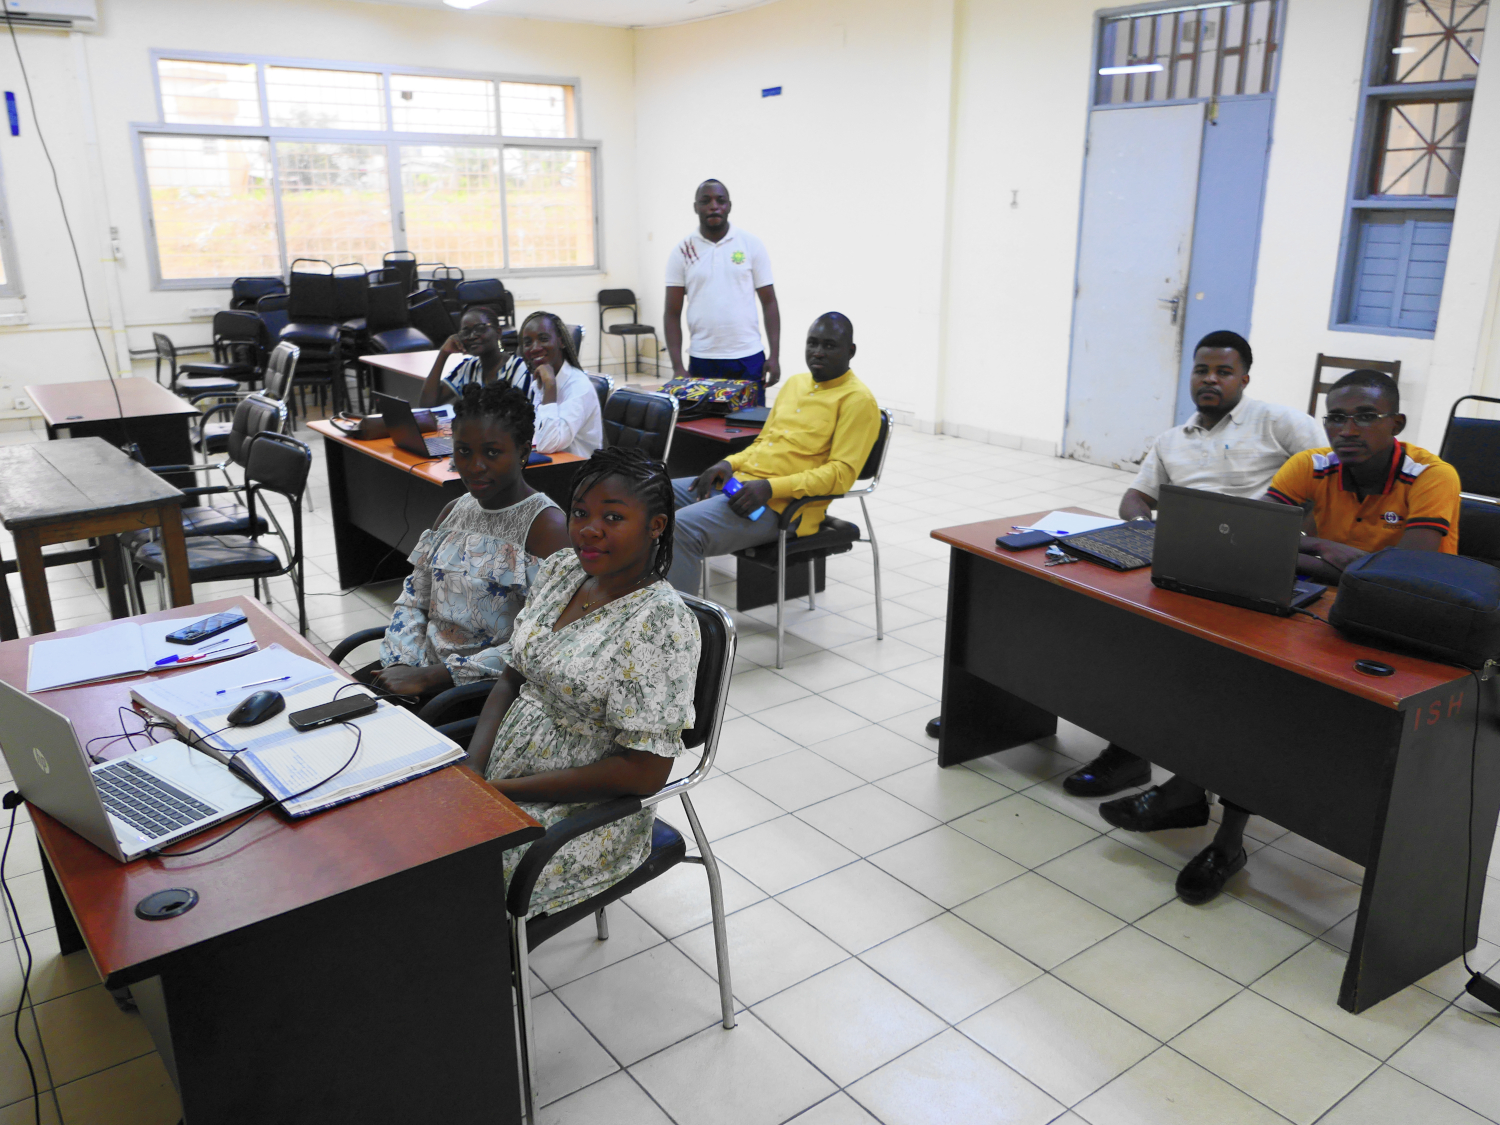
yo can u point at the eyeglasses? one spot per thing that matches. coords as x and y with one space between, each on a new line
1364 419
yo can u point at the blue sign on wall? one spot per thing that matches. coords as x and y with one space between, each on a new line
771 92
10 110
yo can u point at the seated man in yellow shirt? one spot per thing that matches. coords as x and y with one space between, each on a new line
814 443
1367 491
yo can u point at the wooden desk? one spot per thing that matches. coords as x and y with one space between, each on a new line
698 443
56 492
1268 711
349 966
401 374
383 498
156 418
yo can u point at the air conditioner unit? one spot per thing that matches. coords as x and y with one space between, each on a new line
66 15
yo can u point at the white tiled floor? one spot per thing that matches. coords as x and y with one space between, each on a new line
909 945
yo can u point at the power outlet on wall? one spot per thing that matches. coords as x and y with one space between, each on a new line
21 402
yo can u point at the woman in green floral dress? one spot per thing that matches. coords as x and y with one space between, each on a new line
599 681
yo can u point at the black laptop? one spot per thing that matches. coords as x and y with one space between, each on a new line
1228 549
405 432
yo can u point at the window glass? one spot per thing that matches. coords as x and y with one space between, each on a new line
336 202
1437 40
452 200
211 205
529 109
1421 148
424 104
549 207
325 99
1221 50
208 93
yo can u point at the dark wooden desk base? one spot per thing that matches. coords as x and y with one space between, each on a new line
164 440
1389 789
691 453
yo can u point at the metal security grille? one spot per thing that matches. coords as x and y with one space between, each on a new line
1188 53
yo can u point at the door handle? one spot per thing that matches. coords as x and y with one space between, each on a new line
1175 302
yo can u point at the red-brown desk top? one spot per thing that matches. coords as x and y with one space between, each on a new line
270 867
1298 644
717 429
416 364
62 404
436 472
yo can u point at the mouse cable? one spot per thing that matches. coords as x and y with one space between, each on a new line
349 761
1479 986
1309 613
12 801
378 692
67 225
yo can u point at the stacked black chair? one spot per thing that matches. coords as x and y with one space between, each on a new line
404 262
492 294
272 312
246 291
313 325
389 321
430 316
1472 447
276 464
643 420
612 299
240 348
446 280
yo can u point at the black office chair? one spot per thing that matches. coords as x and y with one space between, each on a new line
178 382
390 321
446 280
1472 447
644 420
833 537
668 848
313 325
273 314
430 316
404 262
246 291
490 292
612 299
603 387
274 463
240 345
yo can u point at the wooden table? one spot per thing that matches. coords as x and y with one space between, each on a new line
155 418
349 966
56 492
1268 711
401 374
383 498
699 443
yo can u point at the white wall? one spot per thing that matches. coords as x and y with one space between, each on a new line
115 63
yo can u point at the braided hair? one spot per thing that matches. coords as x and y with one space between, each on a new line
647 479
503 402
562 331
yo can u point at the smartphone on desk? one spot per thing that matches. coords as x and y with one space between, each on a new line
208 627
336 711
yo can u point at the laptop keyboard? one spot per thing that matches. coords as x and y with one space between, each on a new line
439 446
1124 547
146 803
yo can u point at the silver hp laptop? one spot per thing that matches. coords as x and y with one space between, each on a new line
1228 549
126 806
405 433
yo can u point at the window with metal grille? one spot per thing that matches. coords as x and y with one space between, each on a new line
255 162
1189 52
10 279
1413 128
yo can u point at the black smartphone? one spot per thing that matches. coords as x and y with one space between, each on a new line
349 707
1024 539
208 627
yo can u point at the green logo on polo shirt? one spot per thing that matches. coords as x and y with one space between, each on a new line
738 257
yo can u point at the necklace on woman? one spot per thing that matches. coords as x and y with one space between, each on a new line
636 585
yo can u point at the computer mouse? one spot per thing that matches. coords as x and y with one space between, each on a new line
257 708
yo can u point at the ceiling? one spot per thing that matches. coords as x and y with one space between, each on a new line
616 13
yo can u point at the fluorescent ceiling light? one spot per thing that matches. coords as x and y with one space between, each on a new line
1135 68
464 4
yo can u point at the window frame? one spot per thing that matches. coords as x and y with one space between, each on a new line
392 140
12 288
1359 199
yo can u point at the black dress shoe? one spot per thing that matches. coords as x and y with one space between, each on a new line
1206 873
1149 812
1114 769
934 727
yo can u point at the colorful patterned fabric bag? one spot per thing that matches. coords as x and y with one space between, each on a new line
699 398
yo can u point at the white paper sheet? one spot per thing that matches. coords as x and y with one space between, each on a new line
220 688
1071 523
128 648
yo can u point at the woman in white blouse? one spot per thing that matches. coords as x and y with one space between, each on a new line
567 405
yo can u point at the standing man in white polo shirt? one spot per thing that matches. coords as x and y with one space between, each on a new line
721 272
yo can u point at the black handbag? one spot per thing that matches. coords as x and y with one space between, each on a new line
1443 607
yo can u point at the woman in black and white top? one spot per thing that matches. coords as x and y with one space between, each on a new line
478 339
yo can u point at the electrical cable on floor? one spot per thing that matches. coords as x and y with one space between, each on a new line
12 801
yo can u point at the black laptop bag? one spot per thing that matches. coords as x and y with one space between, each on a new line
1443 607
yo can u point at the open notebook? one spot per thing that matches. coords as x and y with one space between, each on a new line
128 648
394 745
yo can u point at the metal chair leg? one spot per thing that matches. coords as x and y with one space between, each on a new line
780 594
716 906
703 578
875 551
812 585
526 1031
601 924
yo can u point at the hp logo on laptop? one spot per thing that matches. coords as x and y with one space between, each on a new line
41 760
1223 529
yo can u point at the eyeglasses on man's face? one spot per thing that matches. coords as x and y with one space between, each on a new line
1364 419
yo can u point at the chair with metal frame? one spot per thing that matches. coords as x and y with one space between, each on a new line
446 280
612 299
280 369
313 325
1338 363
390 321
644 420
430 316
166 352
403 262
833 537
246 291
710 693
1472 447
240 345
604 386
275 463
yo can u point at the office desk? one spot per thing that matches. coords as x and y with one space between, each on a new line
699 443
349 966
1265 710
383 498
401 374
155 418
60 491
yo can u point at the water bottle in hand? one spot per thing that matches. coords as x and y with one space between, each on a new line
731 486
